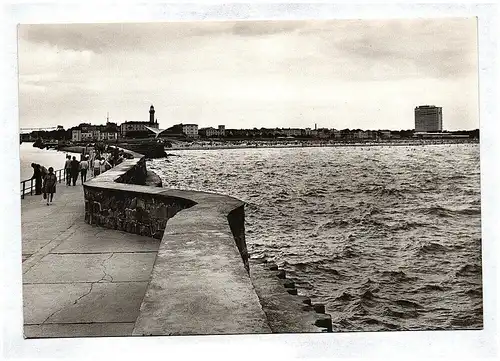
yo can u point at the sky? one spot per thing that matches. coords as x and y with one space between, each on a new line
367 74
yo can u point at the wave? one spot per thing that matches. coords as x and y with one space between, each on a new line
306 264
357 308
341 223
350 221
349 251
343 324
469 211
469 270
384 325
345 296
407 304
331 271
398 276
467 321
394 210
407 225
450 212
367 295
383 191
437 211
430 288
472 192
432 248
474 292
323 267
369 282
405 314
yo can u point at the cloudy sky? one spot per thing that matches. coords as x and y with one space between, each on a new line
339 74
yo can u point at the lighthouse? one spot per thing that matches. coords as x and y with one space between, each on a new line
152 114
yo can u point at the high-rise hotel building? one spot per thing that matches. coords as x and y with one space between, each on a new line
428 118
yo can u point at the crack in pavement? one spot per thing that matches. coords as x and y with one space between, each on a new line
74 303
91 287
103 265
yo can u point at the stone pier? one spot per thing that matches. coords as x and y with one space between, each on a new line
126 257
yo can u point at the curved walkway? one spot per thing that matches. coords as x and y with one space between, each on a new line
80 280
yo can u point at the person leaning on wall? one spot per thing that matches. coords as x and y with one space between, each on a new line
37 176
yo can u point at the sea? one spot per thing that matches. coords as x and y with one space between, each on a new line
46 157
387 237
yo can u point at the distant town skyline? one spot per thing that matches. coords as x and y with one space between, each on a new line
366 74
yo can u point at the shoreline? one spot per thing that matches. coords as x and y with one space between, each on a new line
322 145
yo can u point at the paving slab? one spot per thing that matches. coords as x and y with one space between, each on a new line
78 330
67 268
54 268
80 280
40 301
104 302
33 245
46 229
94 240
123 267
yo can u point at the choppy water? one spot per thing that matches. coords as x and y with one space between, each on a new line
388 238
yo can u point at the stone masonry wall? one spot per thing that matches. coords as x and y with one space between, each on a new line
134 212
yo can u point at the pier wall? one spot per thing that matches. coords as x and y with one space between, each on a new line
119 199
200 283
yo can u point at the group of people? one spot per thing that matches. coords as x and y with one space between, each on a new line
40 173
72 168
46 180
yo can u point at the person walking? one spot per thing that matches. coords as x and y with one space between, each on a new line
103 165
37 176
74 170
110 161
67 170
84 166
49 185
92 161
97 167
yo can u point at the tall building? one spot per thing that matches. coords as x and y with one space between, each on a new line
428 118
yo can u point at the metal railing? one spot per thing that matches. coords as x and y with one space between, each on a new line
60 177
29 190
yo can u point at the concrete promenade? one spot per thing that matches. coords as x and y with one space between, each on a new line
83 275
80 280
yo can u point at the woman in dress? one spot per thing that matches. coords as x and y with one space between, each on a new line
49 185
